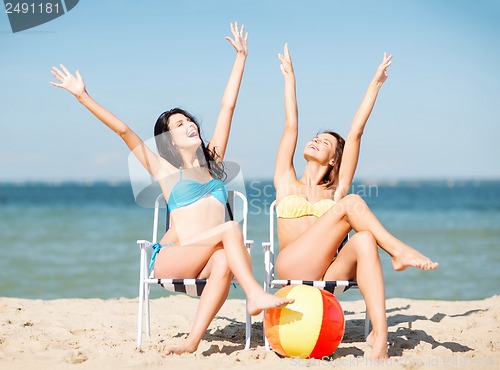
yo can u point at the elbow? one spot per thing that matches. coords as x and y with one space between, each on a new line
291 127
123 133
228 106
355 135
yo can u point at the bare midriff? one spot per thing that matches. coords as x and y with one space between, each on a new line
196 218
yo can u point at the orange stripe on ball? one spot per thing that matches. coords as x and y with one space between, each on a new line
272 323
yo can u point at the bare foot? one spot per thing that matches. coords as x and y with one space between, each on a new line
411 257
179 350
378 343
262 301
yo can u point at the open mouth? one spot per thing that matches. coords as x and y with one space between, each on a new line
192 133
314 147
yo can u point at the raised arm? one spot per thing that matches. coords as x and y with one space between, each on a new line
76 86
218 143
353 139
284 170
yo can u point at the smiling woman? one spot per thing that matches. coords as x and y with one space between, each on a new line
315 213
200 243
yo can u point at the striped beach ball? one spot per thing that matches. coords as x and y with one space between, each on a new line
311 327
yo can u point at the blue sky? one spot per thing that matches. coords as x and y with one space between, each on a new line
436 116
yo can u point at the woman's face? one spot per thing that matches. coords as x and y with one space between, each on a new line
321 149
184 131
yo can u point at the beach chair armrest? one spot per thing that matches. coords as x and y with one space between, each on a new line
268 265
266 246
249 246
144 244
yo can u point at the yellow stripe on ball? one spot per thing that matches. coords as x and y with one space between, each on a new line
303 316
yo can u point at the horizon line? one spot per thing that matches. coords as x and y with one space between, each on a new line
367 180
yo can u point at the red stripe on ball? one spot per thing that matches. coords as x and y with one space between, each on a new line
332 327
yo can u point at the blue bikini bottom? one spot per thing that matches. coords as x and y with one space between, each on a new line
156 248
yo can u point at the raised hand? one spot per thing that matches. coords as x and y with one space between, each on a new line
74 85
239 42
286 61
381 74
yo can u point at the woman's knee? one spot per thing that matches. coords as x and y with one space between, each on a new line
233 228
353 203
364 242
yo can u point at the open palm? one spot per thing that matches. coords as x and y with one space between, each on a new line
74 84
239 42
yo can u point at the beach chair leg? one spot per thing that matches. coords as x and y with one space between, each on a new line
148 322
142 293
266 343
140 314
248 330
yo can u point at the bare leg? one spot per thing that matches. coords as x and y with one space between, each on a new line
195 254
354 210
241 265
359 260
317 245
213 297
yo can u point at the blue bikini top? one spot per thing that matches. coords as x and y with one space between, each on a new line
186 192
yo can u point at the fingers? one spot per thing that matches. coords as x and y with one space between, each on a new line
64 69
285 57
63 76
57 71
238 33
231 41
234 30
386 62
387 59
239 39
286 51
56 75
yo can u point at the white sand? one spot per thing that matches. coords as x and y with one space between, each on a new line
101 334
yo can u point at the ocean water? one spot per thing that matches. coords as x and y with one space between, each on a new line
79 240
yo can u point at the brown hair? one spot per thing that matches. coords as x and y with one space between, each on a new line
332 175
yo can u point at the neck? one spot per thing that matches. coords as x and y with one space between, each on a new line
313 173
189 158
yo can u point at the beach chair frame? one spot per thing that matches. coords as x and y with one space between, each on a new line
335 287
192 287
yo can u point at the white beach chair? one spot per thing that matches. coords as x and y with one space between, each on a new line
193 287
334 287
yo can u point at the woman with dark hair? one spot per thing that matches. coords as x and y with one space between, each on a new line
315 213
199 243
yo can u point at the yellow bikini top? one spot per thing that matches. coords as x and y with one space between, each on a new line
293 206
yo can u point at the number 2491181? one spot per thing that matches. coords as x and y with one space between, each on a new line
31 8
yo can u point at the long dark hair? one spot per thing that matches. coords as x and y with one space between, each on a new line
332 174
168 151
